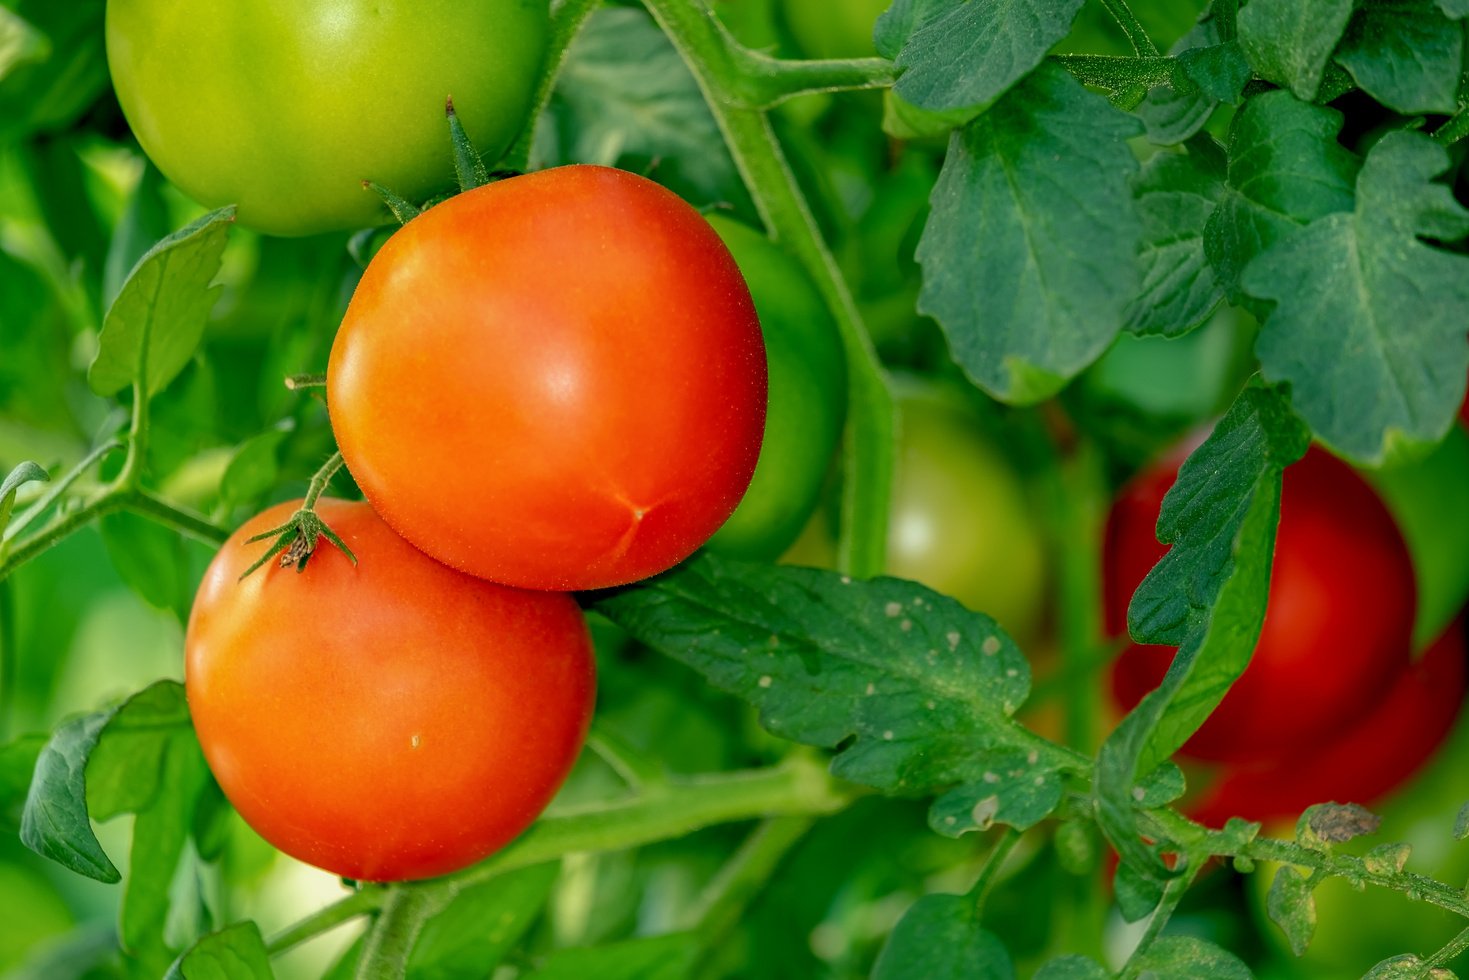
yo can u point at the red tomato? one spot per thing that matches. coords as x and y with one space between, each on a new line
1337 631
556 381
389 720
1377 753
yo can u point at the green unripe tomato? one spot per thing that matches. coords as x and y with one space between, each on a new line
834 28
807 400
284 107
1427 499
960 522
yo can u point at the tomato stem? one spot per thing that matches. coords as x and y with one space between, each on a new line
993 864
868 459
744 876
1137 35
1173 893
566 22
389 941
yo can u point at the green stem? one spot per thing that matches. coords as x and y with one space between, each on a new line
1455 129
800 786
1173 893
993 864
1137 35
1077 494
758 81
724 900
1118 74
60 526
358 903
566 22
322 480
1451 950
55 490
868 462
149 505
390 939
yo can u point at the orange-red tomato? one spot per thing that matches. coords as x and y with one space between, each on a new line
556 381
390 720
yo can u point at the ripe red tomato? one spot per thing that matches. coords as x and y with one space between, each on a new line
1337 630
390 720
556 381
1377 753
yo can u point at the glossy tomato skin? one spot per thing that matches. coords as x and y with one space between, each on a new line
1337 630
284 108
556 381
807 402
390 720
1364 763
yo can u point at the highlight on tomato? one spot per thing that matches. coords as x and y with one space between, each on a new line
389 719
556 381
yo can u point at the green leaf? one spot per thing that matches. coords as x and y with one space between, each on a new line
903 19
235 953
940 938
625 98
1189 958
1286 169
1387 858
26 472
157 320
1030 253
1072 968
1289 41
1292 907
1214 71
1457 9
1461 823
58 67
974 52
254 469
17 765
670 957
923 688
54 823
1406 54
1368 327
1406 966
1176 194
1206 596
1137 890
1219 70
484 922
151 559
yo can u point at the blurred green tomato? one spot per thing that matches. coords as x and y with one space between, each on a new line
1355 930
807 401
960 522
285 108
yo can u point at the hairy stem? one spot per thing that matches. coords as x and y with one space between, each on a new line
1137 35
322 480
868 460
390 939
1173 893
566 21
990 873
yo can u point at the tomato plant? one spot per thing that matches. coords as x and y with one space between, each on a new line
385 720
1338 624
583 432
807 400
824 30
285 111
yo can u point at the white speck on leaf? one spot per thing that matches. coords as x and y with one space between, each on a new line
871 689
991 645
953 638
766 681
1138 793
887 735
893 609
1034 757
985 811
991 777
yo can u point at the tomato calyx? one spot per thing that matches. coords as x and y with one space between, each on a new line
296 540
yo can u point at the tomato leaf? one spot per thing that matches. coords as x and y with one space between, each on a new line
924 688
483 922
940 938
1292 907
1176 194
1406 966
1072 968
235 953
151 559
54 822
1457 9
254 469
625 98
26 472
1206 596
1189 958
1290 41
1406 54
1030 254
153 327
1368 327
1286 169
668 957
1214 71
964 55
